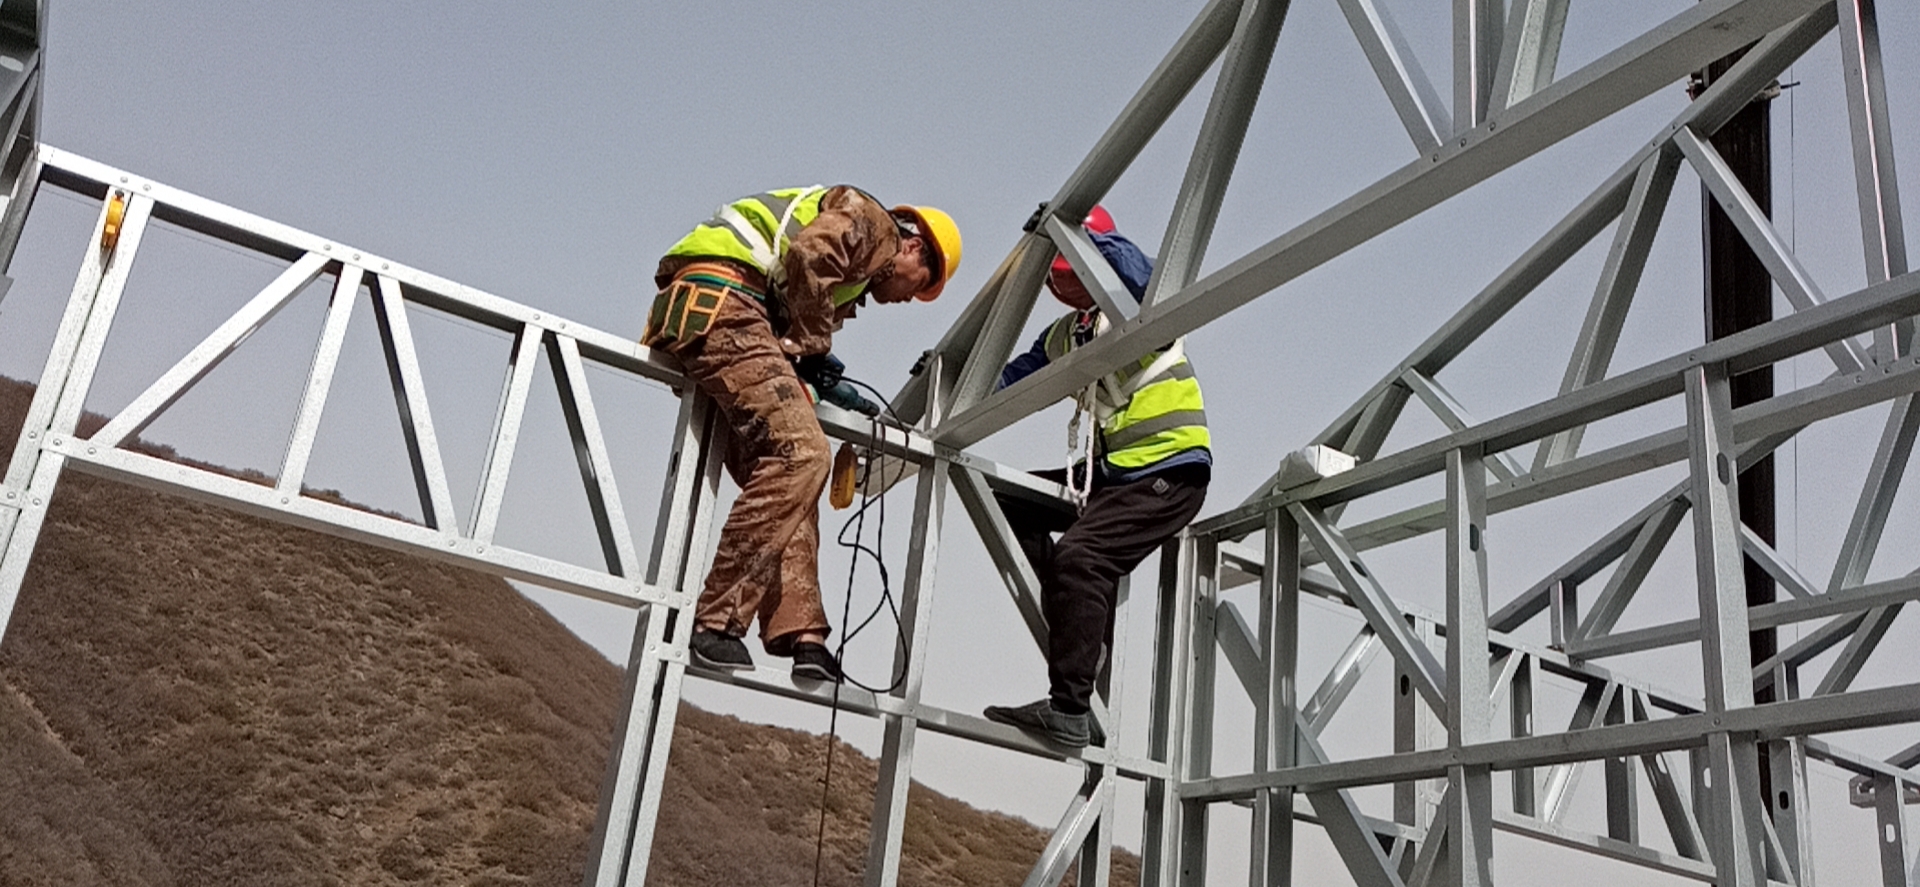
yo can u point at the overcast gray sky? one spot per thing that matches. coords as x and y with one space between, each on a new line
548 155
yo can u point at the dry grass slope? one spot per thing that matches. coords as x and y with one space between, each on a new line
190 696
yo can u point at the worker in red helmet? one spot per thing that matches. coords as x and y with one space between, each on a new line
748 303
1144 478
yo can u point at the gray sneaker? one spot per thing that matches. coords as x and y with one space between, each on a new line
1040 719
713 649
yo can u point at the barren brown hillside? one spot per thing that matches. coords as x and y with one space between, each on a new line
189 696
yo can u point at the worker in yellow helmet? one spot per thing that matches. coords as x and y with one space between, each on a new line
749 302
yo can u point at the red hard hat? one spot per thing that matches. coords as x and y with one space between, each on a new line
1097 222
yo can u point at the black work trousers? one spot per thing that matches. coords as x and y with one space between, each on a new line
1080 573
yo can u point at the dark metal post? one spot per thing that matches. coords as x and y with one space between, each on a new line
1739 295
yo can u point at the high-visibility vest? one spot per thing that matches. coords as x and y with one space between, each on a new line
757 230
1149 409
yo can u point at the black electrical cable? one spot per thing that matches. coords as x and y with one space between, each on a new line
858 523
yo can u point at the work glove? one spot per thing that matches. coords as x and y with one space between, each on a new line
846 397
822 371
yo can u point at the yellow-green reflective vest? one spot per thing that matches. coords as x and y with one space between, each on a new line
1143 418
757 230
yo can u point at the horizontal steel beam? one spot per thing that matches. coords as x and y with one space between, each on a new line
1778 720
1846 600
854 700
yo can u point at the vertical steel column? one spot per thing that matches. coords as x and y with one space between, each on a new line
1788 805
897 744
1623 800
58 401
1476 56
1883 236
1736 833
1202 660
629 797
1520 723
1096 855
1160 824
1469 808
1890 832
1270 862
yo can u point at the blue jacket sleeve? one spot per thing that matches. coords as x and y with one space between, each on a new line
1026 364
1127 260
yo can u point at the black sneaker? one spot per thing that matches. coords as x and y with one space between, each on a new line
1042 720
718 650
815 662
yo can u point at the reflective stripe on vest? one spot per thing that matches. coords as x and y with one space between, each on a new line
757 231
1162 414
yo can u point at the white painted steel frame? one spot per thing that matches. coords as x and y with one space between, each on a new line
1508 104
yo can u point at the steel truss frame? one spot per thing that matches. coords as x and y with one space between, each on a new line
1508 103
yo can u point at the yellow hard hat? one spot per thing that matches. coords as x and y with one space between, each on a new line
939 228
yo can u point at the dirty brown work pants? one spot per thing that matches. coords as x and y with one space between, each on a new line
767 562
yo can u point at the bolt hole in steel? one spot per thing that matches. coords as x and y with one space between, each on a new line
1785 801
1406 685
1473 537
1357 569
1721 466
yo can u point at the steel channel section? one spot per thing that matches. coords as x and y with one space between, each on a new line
1863 538
1469 813
1016 572
410 398
1775 720
666 658
1476 56
57 403
1243 70
1682 829
1420 108
613 827
590 452
1883 234
1736 833
1270 854
1196 747
1162 94
1374 602
522 358
1650 62
1160 821
1451 414
20 164
1619 279
1529 51
313 401
211 351
1007 312
895 773
1762 237
1109 293
1778 568
1635 564
1875 597
1890 833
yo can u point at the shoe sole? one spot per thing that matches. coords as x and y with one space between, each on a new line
813 673
1032 730
717 665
